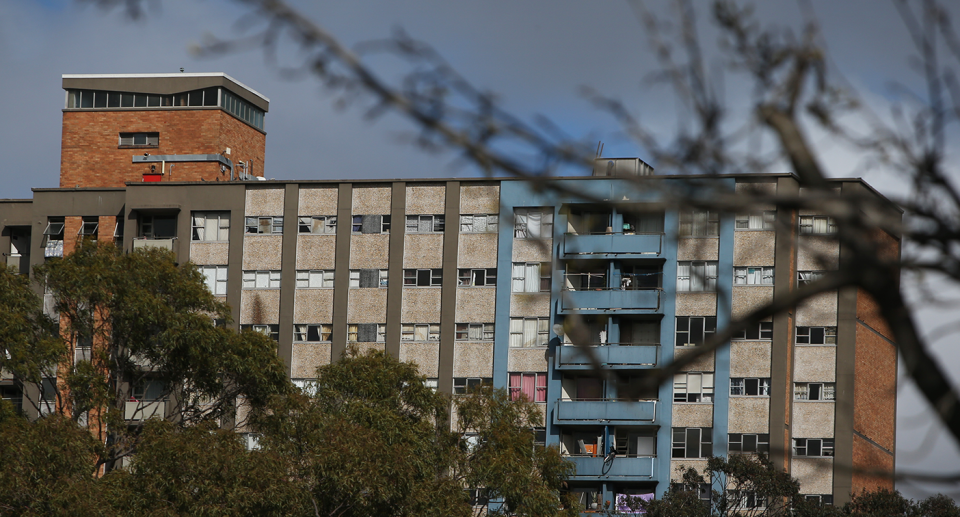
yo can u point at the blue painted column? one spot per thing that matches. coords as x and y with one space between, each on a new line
721 398
668 301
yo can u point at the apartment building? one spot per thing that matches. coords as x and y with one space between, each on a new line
479 281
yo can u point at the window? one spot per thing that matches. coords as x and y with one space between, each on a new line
693 387
357 226
422 277
762 221
54 235
420 332
532 386
261 279
824 499
693 330
817 225
749 443
694 223
271 331
531 277
760 331
529 332
424 224
367 278
157 226
317 224
813 447
477 277
314 278
462 385
816 335
215 277
692 442
753 276
89 227
474 332
746 500
266 225
139 139
815 391
806 277
312 333
696 276
479 223
750 387
211 226
431 382
370 224
366 332
533 223
148 390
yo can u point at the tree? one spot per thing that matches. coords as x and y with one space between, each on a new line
150 325
369 438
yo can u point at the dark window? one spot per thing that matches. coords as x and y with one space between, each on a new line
760 331
463 385
693 330
692 442
139 139
749 443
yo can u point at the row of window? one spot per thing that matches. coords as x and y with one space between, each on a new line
699 387
524 332
209 97
697 442
694 331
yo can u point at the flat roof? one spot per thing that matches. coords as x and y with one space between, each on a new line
164 84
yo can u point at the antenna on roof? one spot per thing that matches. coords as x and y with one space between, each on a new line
599 148
181 69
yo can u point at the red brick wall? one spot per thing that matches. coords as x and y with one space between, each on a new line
91 157
866 459
71 227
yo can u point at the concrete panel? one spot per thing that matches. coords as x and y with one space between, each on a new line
532 250
313 306
527 360
473 360
318 201
428 199
260 306
703 363
754 248
316 251
766 188
423 251
367 306
307 357
363 348
818 311
692 415
696 304
529 305
749 415
816 253
747 299
813 419
815 363
698 248
678 467
372 201
262 252
369 252
476 304
750 358
480 199
421 305
425 355
814 474
210 253
478 250
264 201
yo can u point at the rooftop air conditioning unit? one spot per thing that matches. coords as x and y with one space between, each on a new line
621 167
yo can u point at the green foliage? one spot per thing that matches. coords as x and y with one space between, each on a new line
28 337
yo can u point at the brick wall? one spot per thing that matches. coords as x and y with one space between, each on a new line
91 156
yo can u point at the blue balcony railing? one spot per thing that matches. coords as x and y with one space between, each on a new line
605 410
615 356
600 301
610 245
620 468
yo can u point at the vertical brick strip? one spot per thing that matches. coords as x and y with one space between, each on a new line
398 228
448 297
341 279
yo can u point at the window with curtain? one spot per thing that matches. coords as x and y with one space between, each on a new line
695 276
533 223
529 332
211 226
817 225
530 277
215 278
761 221
753 276
532 386
695 223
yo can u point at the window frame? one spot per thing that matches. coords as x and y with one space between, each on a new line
327 224
202 227
516 392
811 222
257 223
303 331
706 393
489 277
761 443
802 446
437 223
741 386
409 331
521 229
690 227
542 339
217 281
764 328
766 274
707 276
704 444
436 277
462 385
766 218
327 276
544 273
273 278
463 331
704 325
829 334
491 223
272 330
150 139
825 391
808 277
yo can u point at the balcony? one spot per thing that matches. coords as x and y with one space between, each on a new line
166 244
592 412
605 300
620 469
613 355
610 245
143 410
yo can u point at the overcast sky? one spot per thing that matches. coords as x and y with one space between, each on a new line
535 55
